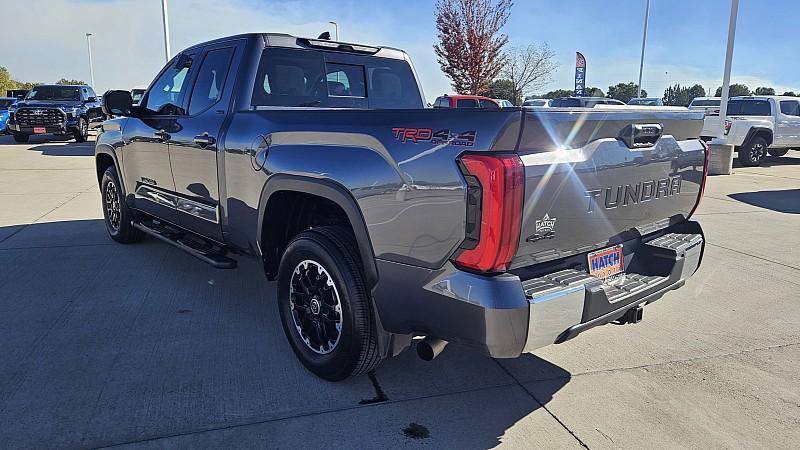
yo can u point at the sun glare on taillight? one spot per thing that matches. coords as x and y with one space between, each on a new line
498 211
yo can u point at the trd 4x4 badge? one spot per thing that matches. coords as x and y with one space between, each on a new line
416 135
545 229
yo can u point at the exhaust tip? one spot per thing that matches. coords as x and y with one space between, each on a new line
430 348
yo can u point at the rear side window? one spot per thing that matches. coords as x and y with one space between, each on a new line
442 102
570 102
294 77
466 103
790 108
488 104
749 108
210 80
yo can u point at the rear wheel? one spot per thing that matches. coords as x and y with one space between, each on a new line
117 216
324 305
778 152
82 133
20 138
753 153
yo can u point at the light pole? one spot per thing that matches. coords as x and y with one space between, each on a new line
336 28
644 41
89 47
165 19
726 77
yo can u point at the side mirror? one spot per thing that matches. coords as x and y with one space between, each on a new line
117 103
91 99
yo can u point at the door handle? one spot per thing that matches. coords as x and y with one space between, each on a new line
204 140
163 135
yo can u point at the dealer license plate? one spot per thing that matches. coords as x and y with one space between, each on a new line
39 130
606 264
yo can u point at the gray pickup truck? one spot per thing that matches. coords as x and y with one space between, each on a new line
382 221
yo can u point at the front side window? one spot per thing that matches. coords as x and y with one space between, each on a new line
488 104
210 80
790 107
165 96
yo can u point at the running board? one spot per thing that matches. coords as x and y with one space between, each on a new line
192 244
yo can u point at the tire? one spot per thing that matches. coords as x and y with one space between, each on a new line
754 152
116 214
778 152
322 265
82 133
20 138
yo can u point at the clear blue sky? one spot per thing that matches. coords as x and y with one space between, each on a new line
686 41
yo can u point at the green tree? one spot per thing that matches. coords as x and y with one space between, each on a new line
764 91
6 82
66 81
735 90
790 94
681 96
593 92
559 93
624 92
503 89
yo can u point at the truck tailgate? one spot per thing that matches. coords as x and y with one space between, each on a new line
588 186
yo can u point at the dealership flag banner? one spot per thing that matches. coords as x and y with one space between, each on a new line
580 74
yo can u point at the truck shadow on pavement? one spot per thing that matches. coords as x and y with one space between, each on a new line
106 344
785 201
55 145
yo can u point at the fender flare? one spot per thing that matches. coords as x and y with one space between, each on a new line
336 193
755 130
105 149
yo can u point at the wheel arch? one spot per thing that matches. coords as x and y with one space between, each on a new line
764 132
105 158
326 189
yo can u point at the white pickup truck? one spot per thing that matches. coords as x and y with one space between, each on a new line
760 125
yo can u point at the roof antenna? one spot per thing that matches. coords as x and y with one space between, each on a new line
326 36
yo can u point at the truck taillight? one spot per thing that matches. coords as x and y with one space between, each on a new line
496 185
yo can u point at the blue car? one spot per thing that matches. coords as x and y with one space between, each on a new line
5 104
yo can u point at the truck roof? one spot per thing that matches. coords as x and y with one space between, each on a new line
765 97
289 41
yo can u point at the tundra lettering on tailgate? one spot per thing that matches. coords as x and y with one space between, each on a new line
633 194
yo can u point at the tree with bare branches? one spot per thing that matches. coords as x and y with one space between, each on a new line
529 68
470 48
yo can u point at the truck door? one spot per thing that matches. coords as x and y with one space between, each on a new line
194 146
145 154
787 125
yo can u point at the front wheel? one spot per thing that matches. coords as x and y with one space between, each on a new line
116 214
82 133
324 305
753 153
778 152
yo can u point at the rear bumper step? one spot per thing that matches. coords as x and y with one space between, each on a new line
194 245
565 303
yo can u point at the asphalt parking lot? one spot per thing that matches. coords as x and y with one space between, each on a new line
144 346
